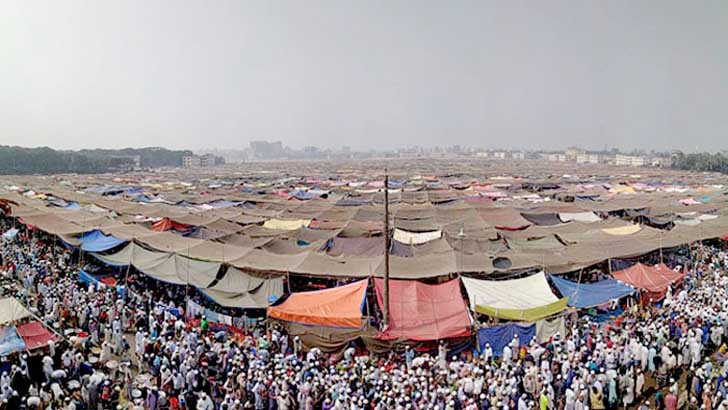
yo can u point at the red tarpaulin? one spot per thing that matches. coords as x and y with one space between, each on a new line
166 224
35 335
419 311
653 279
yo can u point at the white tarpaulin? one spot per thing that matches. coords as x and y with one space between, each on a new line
11 310
524 293
545 328
586 217
416 238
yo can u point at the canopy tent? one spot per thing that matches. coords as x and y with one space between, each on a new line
35 335
340 306
498 337
97 241
526 299
653 280
419 311
10 342
12 310
165 267
586 295
242 290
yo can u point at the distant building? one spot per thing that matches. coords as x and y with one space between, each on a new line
589 159
556 157
207 160
190 161
499 155
266 150
518 155
629 160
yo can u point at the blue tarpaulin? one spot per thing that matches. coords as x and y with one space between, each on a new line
585 295
89 279
10 341
500 336
96 241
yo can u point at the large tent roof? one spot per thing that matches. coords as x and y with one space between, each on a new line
338 307
419 311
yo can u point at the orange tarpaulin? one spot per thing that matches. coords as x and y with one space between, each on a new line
166 224
339 306
653 279
419 311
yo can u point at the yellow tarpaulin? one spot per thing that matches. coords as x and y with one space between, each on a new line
623 230
622 190
524 315
286 224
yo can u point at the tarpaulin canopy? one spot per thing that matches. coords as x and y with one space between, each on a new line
526 299
654 280
165 267
527 315
286 224
10 342
419 311
35 335
97 241
242 290
340 306
166 224
623 230
586 295
416 238
11 310
545 219
499 337
585 217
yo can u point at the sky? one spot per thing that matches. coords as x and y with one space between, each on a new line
365 73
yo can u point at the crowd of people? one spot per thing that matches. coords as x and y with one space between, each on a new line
126 350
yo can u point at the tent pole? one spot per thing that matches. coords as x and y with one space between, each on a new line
128 267
187 282
661 246
387 245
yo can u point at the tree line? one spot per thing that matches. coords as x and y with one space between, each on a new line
23 161
701 162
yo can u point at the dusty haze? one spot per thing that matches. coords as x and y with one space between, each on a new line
202 74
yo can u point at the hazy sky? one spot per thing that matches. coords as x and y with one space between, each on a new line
205 74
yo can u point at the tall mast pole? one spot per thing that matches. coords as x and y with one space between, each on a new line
387 244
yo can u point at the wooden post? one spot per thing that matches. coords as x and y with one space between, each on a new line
387 245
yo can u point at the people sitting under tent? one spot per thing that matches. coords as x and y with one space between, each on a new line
144 349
